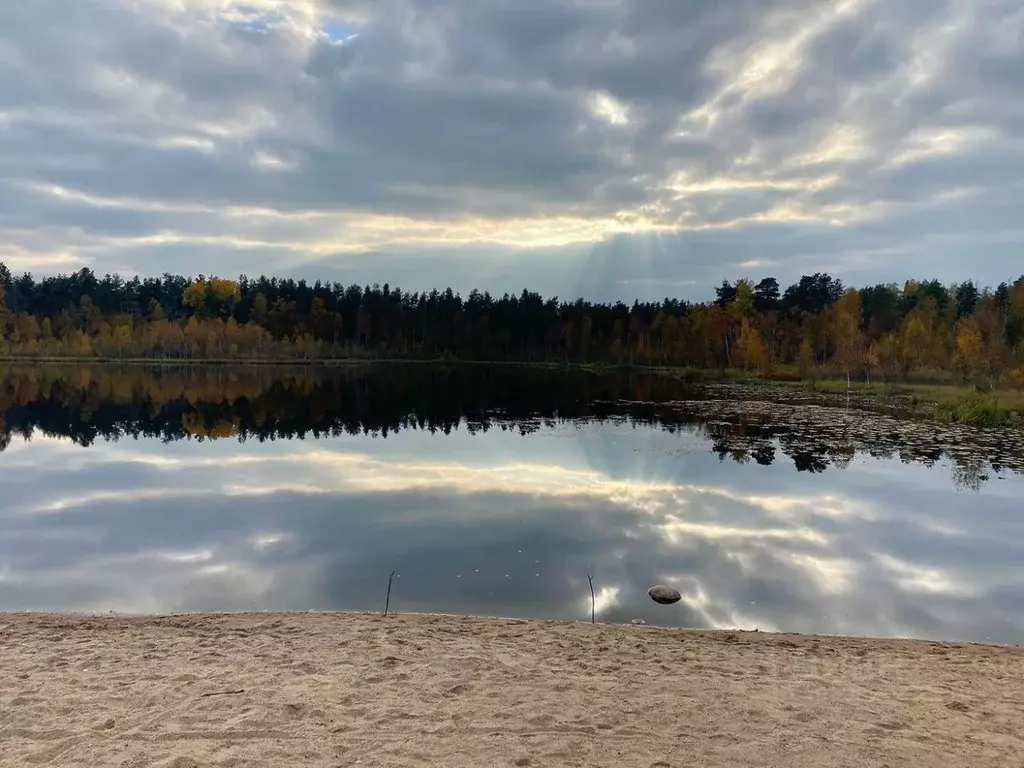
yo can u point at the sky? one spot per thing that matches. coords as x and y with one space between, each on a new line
499 524
614 149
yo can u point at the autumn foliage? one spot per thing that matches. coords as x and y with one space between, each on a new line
815 327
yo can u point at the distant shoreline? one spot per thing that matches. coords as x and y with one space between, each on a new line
328 689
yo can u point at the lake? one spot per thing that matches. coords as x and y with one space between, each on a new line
496 490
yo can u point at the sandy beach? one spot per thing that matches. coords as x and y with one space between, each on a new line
282 690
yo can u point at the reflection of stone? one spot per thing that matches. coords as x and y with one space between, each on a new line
664 595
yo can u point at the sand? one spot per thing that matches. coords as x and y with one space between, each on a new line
326 689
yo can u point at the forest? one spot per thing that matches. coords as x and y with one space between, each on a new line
816 327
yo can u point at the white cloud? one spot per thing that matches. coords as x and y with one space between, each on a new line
295 135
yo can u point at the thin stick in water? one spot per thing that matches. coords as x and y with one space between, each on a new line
387 603
593 600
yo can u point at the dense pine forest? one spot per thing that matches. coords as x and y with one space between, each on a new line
814 327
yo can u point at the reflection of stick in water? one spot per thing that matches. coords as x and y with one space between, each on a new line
387 602
593 601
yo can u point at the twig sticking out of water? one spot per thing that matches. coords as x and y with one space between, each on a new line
593 600
387 603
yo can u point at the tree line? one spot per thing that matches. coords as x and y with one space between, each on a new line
816 326
90 403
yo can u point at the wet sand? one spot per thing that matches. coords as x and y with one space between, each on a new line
326 689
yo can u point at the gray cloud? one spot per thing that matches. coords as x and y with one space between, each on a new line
879 548
876 140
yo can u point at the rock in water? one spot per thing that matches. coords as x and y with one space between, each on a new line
664 595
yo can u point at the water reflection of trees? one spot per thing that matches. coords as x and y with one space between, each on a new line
89 403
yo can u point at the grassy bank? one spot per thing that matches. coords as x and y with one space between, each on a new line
948 403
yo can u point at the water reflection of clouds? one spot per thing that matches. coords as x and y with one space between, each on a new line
498 523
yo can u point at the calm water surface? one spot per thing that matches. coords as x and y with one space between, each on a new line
495 491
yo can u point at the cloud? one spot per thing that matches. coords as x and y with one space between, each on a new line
488 524
453 140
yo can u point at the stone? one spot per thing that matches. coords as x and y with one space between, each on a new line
664 595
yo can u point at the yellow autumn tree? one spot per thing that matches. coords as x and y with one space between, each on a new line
884 354
913 343
121 338
750 352
212 296
849 343
193 337
970 359
743 304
